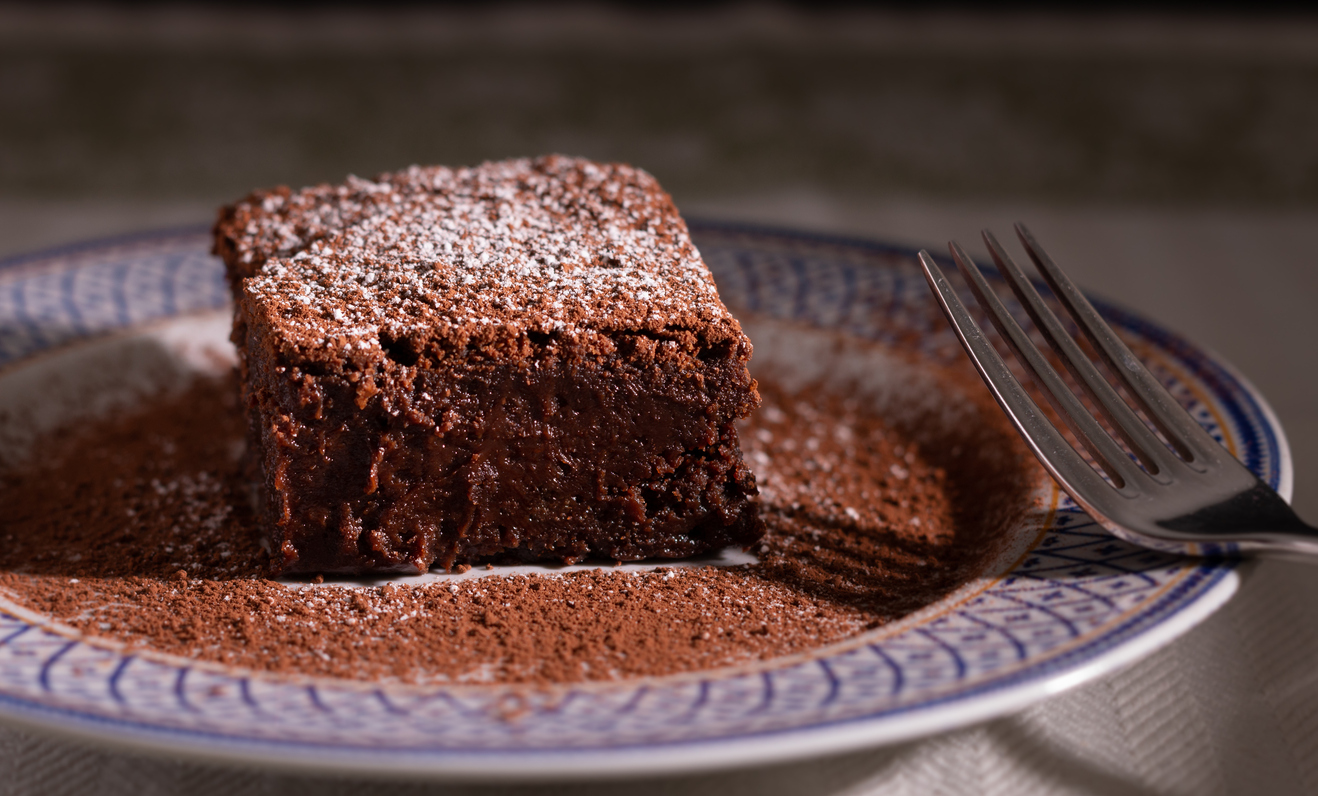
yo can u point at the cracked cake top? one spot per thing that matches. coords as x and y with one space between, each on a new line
499 257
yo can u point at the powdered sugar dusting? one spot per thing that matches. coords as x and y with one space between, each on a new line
552 246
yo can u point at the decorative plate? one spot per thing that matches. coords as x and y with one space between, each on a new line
1068 603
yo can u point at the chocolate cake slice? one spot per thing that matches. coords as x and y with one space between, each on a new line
526 359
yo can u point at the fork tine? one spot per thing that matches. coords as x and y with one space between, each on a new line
1186 435
1125 422
1093 436
1048 444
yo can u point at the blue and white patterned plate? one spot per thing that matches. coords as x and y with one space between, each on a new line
1069 604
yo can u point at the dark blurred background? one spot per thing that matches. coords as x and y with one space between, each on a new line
201 103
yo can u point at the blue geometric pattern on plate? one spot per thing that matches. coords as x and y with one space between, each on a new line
1078 602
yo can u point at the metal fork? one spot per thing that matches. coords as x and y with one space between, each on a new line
1184 495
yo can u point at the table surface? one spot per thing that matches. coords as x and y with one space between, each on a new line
1227 260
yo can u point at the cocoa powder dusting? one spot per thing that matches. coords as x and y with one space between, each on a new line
138 528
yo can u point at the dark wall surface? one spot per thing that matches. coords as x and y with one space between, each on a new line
202 104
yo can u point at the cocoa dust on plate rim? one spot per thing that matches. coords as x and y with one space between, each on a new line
138 528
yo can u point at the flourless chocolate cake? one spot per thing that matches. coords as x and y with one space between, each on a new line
526 359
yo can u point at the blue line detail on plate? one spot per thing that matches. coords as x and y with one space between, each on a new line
834 684
114 679
50 662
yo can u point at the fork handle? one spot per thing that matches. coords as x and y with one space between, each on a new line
1256 520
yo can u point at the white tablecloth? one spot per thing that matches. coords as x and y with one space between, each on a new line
1231 707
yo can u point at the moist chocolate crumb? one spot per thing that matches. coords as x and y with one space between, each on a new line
138 528
525 358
